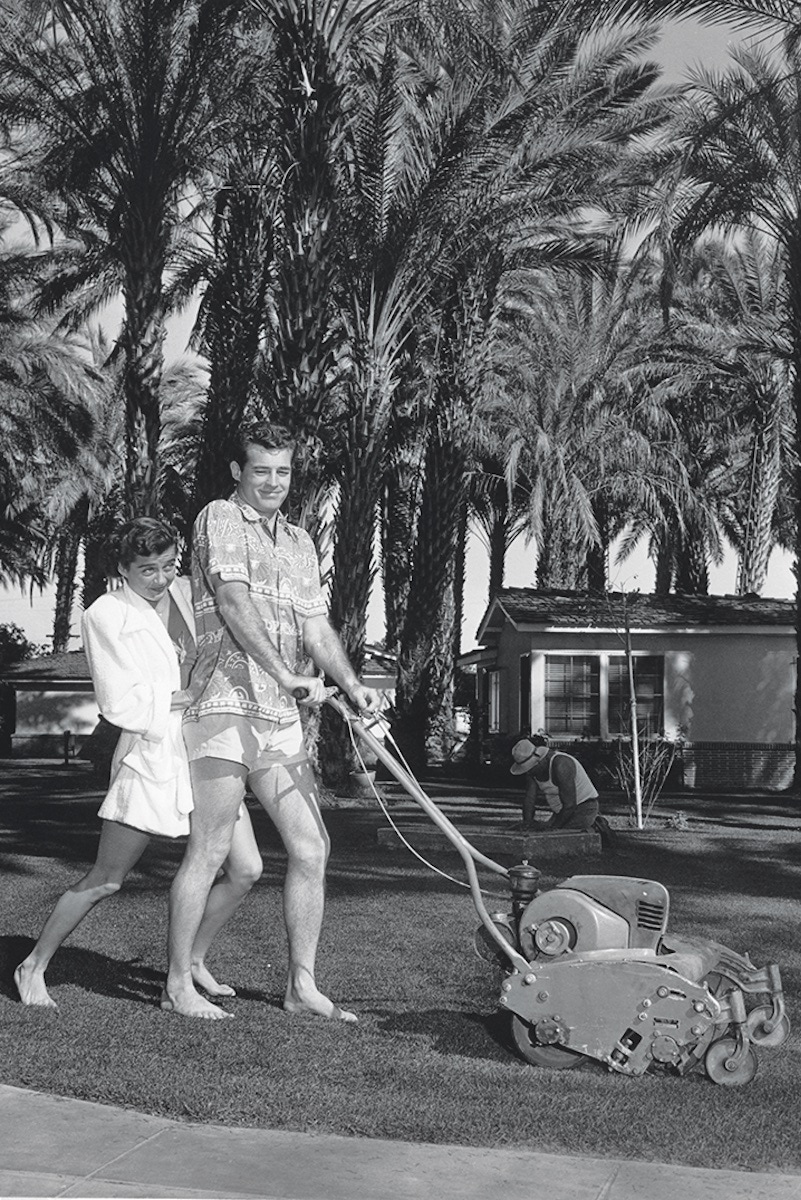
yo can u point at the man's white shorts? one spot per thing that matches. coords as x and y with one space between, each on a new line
257 744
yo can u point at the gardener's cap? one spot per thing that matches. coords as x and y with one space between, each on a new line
527 752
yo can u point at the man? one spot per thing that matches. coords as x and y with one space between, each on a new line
565 785
260 616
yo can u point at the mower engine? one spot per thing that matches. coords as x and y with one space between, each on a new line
606 981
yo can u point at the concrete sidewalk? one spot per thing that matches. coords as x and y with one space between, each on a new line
50 1146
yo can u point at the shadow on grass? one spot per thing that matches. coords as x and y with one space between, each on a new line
446 1031
119 979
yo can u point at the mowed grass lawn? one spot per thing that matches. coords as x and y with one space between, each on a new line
429 1059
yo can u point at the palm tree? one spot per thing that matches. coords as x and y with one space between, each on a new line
742 165
584 435
741 162
750 14
727 326
47 419
498 514
431 628
118 105
566 140
231 321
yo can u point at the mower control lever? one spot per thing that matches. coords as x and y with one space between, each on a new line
300 693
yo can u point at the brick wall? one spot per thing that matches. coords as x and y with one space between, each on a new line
719 766
699 766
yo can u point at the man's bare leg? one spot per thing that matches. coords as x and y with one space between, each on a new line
218 788
119 849
289 796
241 869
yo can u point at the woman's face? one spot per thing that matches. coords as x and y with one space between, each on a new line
150 576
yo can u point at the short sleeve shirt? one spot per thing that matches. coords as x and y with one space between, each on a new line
230 540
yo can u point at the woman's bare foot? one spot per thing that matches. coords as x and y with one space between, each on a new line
204 979
190 1004
303 996
30 984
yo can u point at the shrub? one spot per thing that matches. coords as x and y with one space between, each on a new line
14 646
656 757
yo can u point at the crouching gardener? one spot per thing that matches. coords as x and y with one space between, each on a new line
566 787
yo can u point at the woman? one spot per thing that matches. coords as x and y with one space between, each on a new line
140 644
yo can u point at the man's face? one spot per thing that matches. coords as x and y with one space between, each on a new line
263 482
540 768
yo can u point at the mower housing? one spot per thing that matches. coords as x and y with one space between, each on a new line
606 981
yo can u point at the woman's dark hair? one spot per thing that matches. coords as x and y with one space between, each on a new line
141 538
267 434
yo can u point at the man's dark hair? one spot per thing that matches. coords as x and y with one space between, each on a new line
267 434
140 538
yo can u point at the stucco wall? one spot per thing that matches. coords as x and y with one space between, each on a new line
721 689
52 712
732 686
512 645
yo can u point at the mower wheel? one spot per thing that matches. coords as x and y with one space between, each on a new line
720 1054
757 1032
557 1057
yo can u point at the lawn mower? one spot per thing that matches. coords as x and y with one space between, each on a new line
590 971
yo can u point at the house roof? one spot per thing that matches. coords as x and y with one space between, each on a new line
72 667
552 609
68 667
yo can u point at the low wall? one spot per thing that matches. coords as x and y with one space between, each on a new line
698 766
46 745
720 766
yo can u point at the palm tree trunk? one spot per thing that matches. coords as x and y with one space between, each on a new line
794 278
400 507
498 542
598 552
236 303
309 122
425 663
66 569
353 574
692 566
663 582
557 562
460 566
143 343
764 483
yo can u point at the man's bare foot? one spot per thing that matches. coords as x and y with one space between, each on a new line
31 987
190 1004
304 997
204 979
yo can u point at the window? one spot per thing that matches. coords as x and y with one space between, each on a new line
572 696
525 691
494 702
649 675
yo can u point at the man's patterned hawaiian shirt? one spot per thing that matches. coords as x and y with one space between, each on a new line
231 541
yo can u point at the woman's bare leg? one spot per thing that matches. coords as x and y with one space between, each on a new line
241 869
119 850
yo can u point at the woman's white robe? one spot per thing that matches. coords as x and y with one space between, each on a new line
135 670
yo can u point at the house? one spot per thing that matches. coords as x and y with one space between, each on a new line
48 706
714 673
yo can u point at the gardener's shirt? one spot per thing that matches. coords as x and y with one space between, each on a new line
584 785
234 543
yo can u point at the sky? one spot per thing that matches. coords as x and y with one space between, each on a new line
683 46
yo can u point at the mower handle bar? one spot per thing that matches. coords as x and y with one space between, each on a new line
468 853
